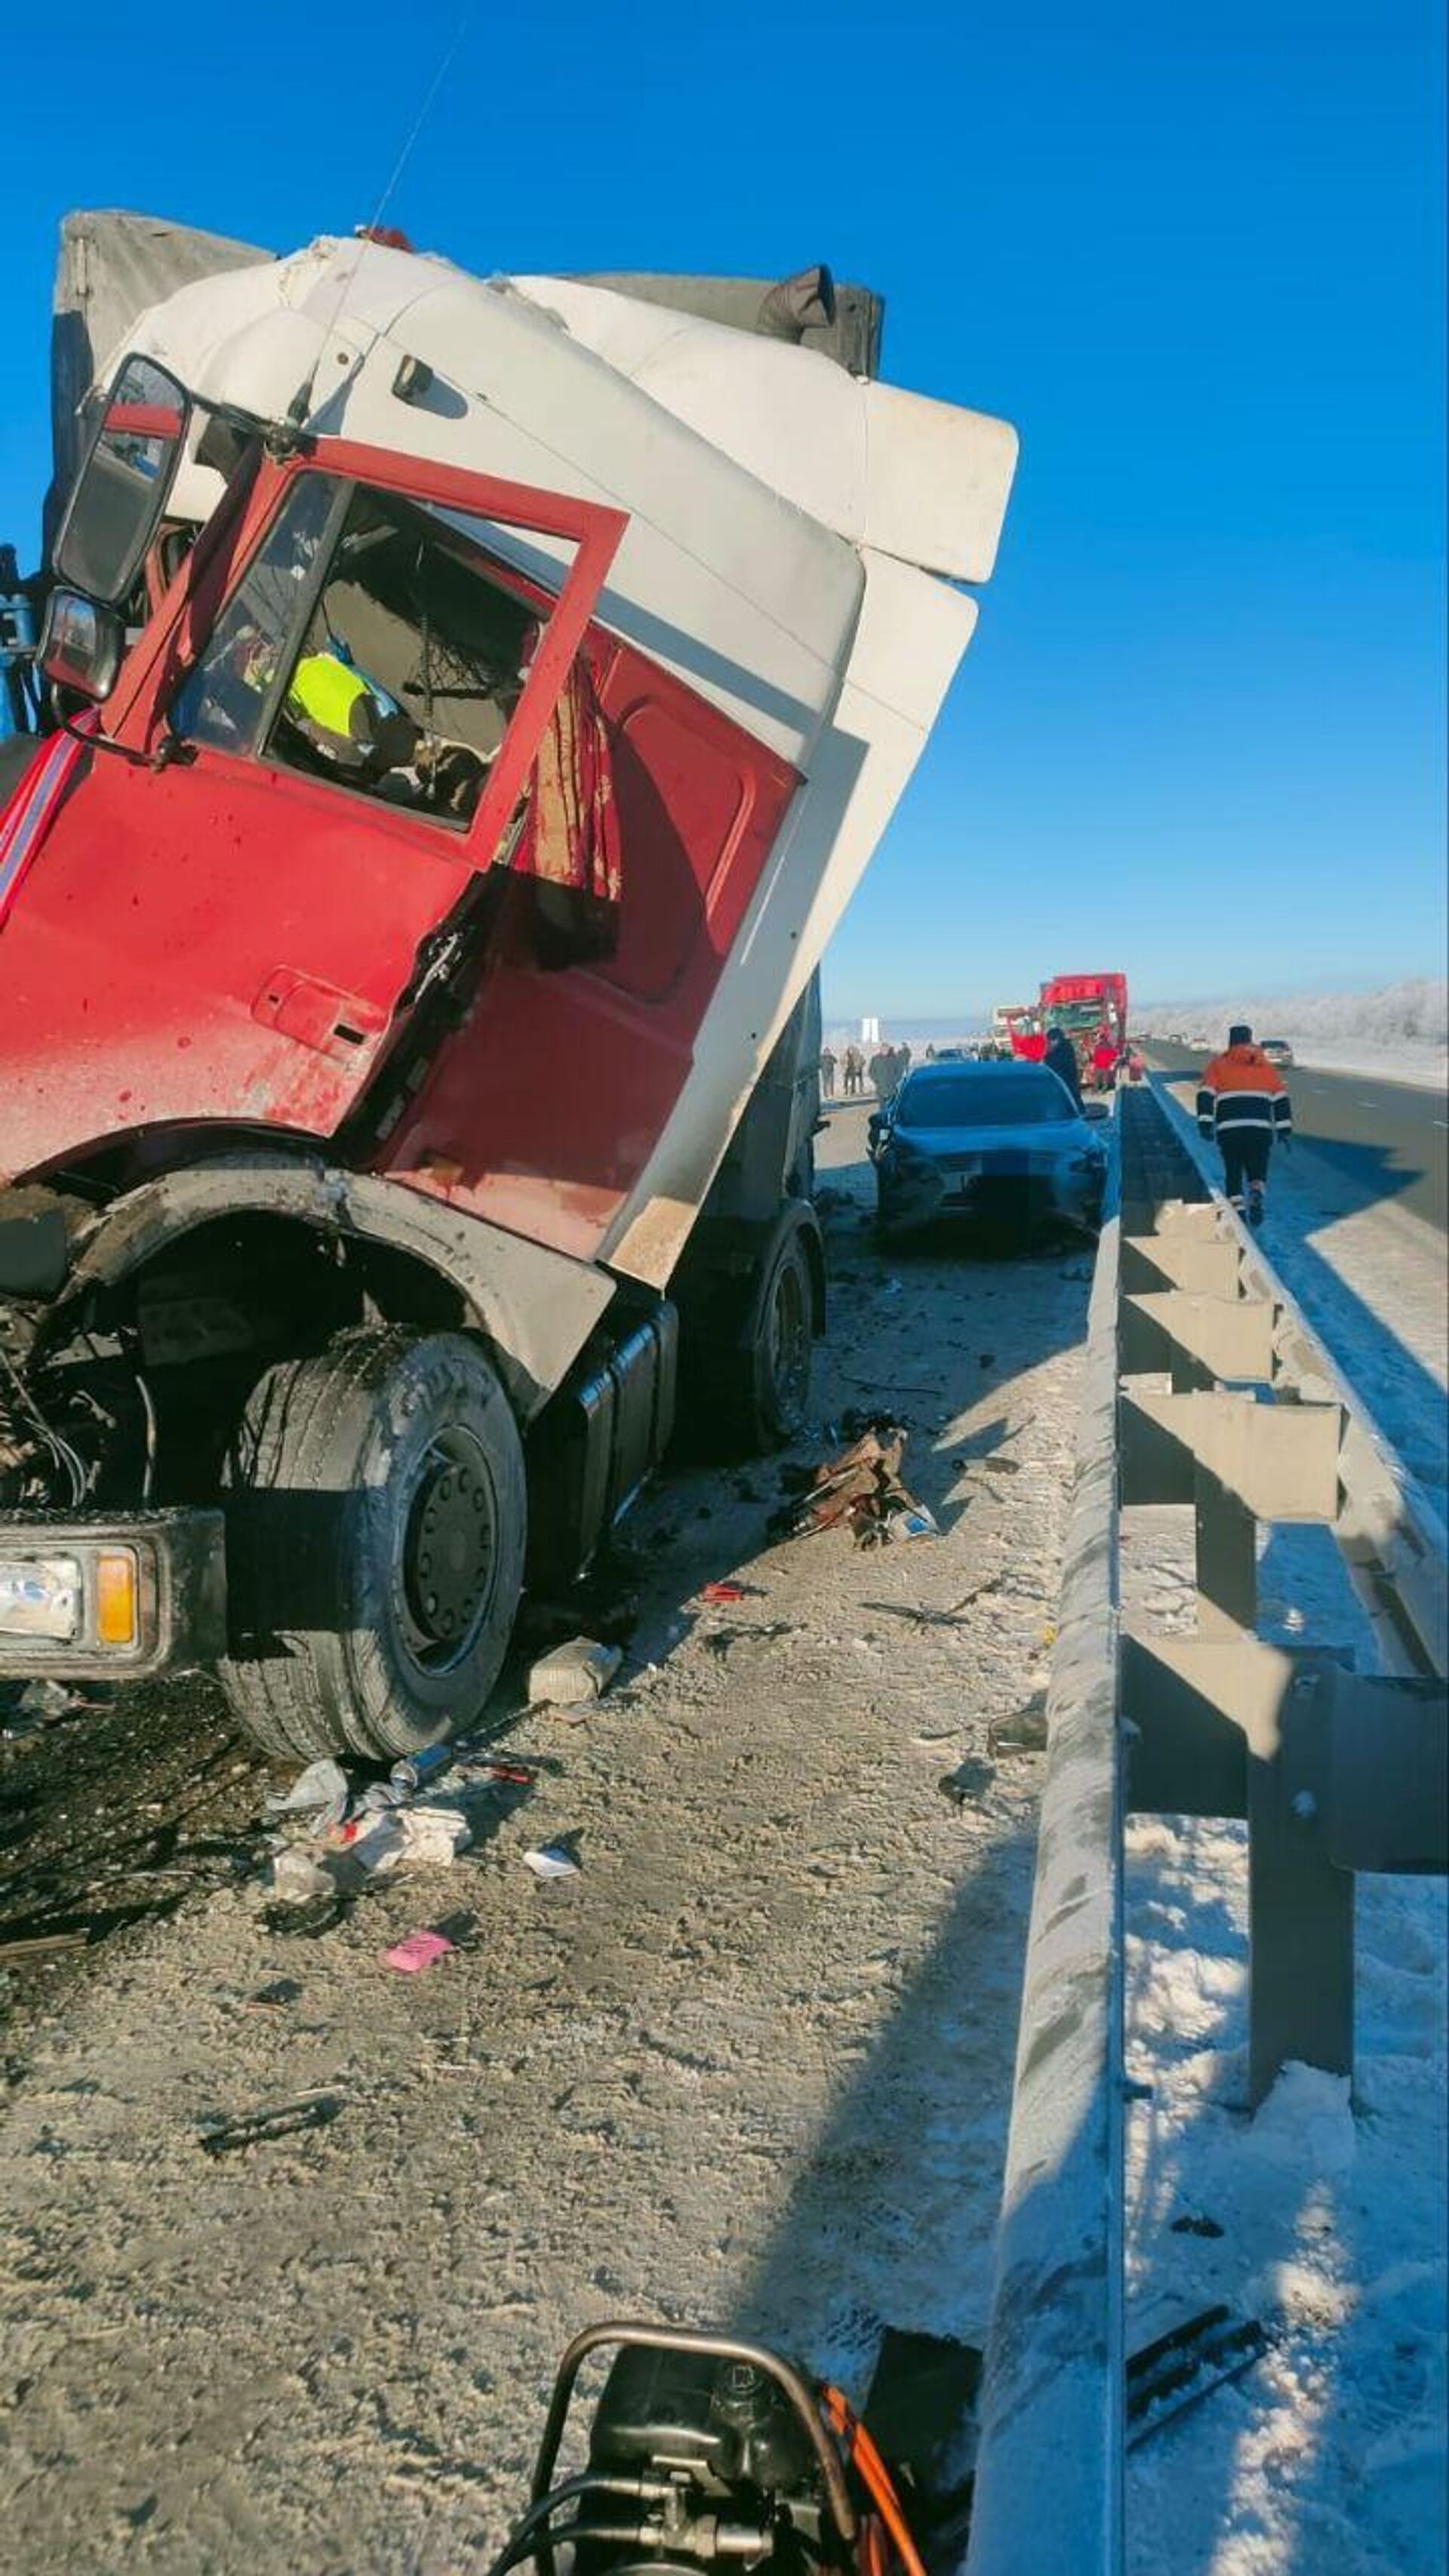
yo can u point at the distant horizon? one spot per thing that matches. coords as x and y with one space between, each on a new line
974 1016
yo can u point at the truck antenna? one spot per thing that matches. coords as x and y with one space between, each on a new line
299 411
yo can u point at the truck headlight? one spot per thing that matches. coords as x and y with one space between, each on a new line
40 1596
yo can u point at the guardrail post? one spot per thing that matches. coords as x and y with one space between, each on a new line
1300 1937
1227 1558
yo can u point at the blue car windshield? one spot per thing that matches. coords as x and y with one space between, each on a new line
985 1099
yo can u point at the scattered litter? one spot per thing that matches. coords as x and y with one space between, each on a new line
282 1990
1025 1731
862 1488
890 1288
550 1860
296 1876
323 1785
420 1768
314 1914
580 1670
429 1833
419 1950
52 1700
968 1783
722 1641
220 2137
918 1522
514 1775
432 1832
996 1465
1187 2225
723 1592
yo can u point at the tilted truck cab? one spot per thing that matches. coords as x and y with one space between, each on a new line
408 1025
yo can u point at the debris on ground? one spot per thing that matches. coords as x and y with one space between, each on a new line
282 1990
42 1945
220 2137
550 1860
1025 1731
418 1950
968 1783
306 1918
722 1641
296 1875
581 1669
323 1787
727 1591
419 1769
860 1488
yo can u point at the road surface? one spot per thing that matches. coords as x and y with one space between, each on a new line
752 2066
1389 1139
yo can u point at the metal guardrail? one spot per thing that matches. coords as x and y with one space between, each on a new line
1238 1411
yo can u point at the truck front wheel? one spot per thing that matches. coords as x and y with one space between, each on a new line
376 1521
771 1391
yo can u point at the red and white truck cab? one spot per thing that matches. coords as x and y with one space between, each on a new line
475 705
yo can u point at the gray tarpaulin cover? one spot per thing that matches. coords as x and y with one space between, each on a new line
111 267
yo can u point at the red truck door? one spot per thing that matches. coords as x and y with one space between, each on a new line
224 933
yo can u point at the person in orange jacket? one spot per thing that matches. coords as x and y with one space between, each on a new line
1243 1103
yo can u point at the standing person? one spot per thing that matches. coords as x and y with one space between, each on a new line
1104 1060
1061 1059
854 1072
882 1068
1243 1102
827 1073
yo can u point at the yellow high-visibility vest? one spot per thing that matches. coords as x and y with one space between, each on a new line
325 690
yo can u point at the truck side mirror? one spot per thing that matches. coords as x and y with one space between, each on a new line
123 485
81 644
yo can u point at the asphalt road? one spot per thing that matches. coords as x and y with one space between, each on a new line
1389 1139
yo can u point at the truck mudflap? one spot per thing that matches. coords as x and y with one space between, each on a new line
110 1599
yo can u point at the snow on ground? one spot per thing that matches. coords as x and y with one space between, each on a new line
1323 2217
1400 1034
1374 1283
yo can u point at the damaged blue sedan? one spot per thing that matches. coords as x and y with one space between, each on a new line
1003 1144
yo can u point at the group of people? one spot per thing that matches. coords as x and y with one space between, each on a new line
886 1070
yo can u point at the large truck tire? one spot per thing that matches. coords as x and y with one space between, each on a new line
767 1388
376 1522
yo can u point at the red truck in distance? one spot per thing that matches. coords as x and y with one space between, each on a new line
1092 1010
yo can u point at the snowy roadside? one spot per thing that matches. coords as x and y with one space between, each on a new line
1423 1068
1373 1282
1325 2219
1400 1034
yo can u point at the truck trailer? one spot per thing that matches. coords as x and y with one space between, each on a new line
465 708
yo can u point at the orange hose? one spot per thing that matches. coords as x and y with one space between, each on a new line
875 2477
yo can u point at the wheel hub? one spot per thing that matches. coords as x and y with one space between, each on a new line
448 1548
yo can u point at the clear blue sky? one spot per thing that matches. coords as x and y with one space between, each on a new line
1195 254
